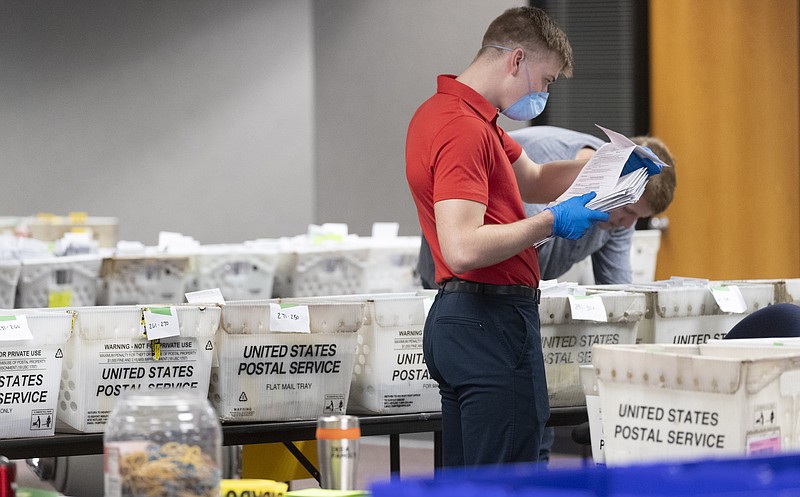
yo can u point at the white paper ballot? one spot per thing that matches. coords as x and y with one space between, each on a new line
627 191
623 141
208 296
601 174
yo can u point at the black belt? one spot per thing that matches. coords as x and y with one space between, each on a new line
489 289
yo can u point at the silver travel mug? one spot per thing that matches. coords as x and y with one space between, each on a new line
337 450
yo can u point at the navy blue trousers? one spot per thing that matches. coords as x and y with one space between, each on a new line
486 353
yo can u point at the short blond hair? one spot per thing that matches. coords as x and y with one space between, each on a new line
660 188
532 29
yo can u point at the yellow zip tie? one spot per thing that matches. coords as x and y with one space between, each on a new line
155 345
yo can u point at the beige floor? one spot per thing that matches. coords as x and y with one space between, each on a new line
416 460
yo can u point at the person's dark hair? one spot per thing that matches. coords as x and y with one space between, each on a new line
533 30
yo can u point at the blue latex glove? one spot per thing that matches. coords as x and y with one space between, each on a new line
571 218
634 162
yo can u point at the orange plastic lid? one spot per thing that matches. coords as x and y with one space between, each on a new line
338 433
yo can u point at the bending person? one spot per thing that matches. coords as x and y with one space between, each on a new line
608 243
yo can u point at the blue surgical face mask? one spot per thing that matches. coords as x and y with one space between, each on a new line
527 107
530 105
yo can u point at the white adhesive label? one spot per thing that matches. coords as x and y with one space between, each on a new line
210 296
161 322
587 308
729 298
289 318
14 328
764 443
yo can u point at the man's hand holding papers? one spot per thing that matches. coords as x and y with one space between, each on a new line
570 226
617 172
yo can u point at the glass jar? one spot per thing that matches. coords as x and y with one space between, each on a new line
162 443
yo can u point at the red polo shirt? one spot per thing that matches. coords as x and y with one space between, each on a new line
455 150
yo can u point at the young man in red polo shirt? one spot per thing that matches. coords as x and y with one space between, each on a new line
469 179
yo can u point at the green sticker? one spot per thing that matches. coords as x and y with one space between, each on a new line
327 237
164 311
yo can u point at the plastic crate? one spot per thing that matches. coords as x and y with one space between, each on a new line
685 402
58 281
270 375
644 255
567 342
594 412
689 314
307 267
31 372
322 270
786 290
138 279
9 276
105 230
239 272
792 294
108 354
390 375
391 265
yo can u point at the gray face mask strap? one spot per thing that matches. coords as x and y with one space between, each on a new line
499 47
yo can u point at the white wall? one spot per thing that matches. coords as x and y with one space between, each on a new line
186 115
376 61
222 120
